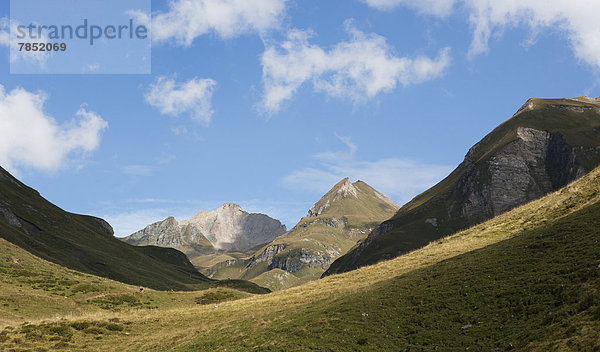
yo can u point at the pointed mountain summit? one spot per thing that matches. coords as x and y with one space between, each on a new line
227 228
348 199
343 216
547 144
344 189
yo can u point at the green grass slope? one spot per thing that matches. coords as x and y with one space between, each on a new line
86 244
32 288
527 280
574 122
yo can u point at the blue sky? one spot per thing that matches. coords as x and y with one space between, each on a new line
268 103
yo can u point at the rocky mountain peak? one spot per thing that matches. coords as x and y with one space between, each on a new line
343 216
338 199
345 189
226 228
231 206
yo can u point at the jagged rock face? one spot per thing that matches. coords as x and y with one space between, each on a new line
536 163
167 233
231 228
269 253
546 145
227 228
300 259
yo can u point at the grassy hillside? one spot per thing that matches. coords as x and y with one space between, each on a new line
574 122
86 244
524 281
32 288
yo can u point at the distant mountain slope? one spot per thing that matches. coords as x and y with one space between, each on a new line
333 225
544 146
86 244
228 228
170 234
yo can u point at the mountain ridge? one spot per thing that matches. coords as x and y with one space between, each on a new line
545 145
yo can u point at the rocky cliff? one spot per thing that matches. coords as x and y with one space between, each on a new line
228 228
543 147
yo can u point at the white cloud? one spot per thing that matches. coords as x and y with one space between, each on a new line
352 148
576 19
432 7
400 179
36 57
192 97
165 158
188 19
179 130
357 69
30 138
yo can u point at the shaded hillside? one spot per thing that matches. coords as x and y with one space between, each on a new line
333 225
87 244
544 146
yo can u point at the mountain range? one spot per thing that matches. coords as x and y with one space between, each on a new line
226 229
229 243
547 144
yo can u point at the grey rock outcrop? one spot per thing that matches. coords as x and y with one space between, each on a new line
527 168
231 228
228 228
